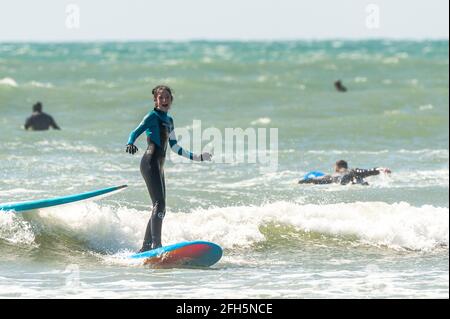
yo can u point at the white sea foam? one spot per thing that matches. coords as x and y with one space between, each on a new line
423 178
49 145
425 153
262 78
392 112
15 191
391 60
8 82
426 107
41 85
399 226
114 230
94 82
261 121
14 229
339 152
172 62
360 79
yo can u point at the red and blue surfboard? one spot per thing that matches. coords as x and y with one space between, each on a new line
185 254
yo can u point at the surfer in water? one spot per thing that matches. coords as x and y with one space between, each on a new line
343 175
40 121
339 86
159 128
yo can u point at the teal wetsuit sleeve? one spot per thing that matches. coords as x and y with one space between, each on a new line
177 148
144 125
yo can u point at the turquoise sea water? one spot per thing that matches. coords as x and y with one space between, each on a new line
280 239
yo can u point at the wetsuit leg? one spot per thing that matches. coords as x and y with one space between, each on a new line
159 209
153 174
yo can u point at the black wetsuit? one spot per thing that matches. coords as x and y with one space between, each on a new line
160 132
354 176
152 170
40 121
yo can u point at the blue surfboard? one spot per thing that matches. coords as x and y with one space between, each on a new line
43 203
189 253
313 174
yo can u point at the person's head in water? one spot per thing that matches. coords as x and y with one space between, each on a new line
341 166
163 98
37 107
339 86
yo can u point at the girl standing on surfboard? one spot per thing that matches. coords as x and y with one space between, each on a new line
159 128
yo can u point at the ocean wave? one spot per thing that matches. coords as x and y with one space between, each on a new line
428 153
15 230
267 179
47 145
426 107
421 178
107 229
392 112
360 79
8 82
41 85
261 121
397 226
15 191
342 152
100 83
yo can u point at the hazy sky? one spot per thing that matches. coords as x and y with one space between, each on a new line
90 20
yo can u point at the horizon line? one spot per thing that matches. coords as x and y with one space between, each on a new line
250 40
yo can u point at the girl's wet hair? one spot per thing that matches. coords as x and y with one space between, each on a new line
160 88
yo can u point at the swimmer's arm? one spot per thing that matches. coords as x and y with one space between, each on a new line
27 123
358 172
144 125
53 124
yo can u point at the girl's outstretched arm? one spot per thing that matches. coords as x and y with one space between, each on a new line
182 152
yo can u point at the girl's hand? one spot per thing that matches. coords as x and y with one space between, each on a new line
132 149
385 170
205 157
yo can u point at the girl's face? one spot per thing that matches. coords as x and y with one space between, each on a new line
163 100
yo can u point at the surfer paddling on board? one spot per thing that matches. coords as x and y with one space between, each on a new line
159 128
343 175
